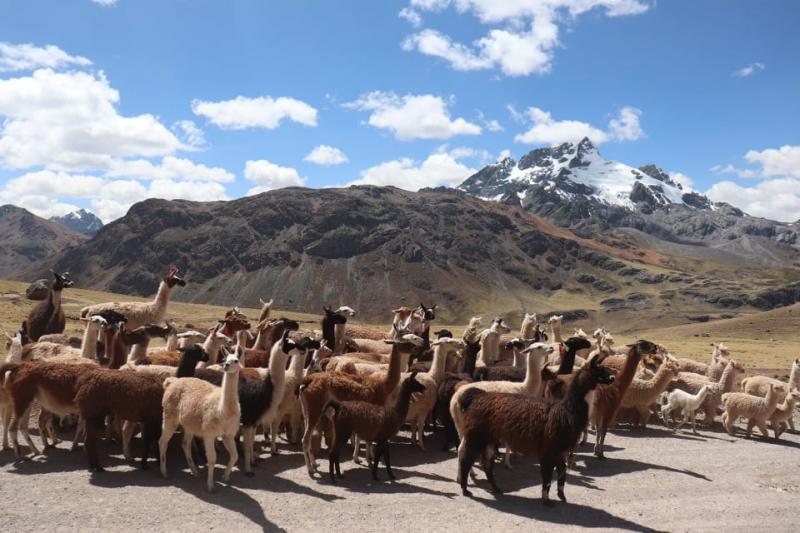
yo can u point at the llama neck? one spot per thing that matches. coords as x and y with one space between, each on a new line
297 365
662 377
401 404
393 373
55 299
89 342
788 404
277 367
726 379
172 342
555 329
771 400
575 399
338 335
437 365
229 399
567 362
117 356
261 340
629 370
159 303
533 375
794 376
489 347
186 366
329 332
470 357
211 346
518 359
139 351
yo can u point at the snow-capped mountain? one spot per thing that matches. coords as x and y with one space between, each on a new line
573 186
82 221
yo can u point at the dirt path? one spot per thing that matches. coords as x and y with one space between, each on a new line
652 480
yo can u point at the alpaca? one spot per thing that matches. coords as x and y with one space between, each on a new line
317 389
329 323
140 313
490 342
528 426
641 393
448 387
206 410
373 423
692 383
607 398
555 327
719 359
758 385
271 333
688 405
757 410
783 414
48 316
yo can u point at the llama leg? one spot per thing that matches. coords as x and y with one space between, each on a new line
248 432
6 422
387 461
149 436
357 449
599 437
167 429
211 459
694 423
80 433
44 431
421 432
128 428
546 467
233 455
296 422
561 469
25 421
274 429
466 458
791 423
378 454
307 454
488 467
186 445
94 426
750 424
762 427
332 458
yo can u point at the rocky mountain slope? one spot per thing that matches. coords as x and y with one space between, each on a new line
82 221
26 238
375 248
573 186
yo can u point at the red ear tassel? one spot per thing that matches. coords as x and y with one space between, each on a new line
172 271
562 350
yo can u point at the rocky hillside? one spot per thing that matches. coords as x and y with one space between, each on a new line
573 186
26 238
375 248
82 221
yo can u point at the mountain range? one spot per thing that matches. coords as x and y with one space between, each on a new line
82 221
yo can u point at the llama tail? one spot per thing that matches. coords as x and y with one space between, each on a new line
744 382
468 397
8 370
331 409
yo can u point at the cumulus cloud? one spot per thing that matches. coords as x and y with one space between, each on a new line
625 127
191 135
262 112
411 16
410 117
547 130
748 71
783 161
69 121
170 168
326 156
524 43
268 176
439 168
682 179
28 57
777 199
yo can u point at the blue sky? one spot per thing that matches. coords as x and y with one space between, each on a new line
104 105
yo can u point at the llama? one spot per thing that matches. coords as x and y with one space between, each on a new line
608 398
719 359
373 423
783 414
329 323
685 402
758 385
272 333
490 342
206 410
692 383
48 316
641 393
450 384
317 389
528 426
757 410
139 313
529 323
555 328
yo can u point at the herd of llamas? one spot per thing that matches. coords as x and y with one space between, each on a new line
535 395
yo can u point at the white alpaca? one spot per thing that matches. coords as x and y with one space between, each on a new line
528 326
206 410
687 404
490 342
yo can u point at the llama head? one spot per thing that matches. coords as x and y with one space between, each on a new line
265 305
334 317
428 313
578 344
721 350
537 352
96 320
515 344
598 374
233 323
346 310
195 353
231 364
529 317
643 347
172 278
499 325
61 281
443 333
449 343
578 332
153 330
555 319
112 317
796 363
406 341
475 322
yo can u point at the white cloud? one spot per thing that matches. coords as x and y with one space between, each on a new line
411 16
494 126
524 45
546 130
28 57
69 121
191 135
412 116
783 161
504 154
170 168
626 126
730 169
440 168
326 156
748 71
105 3
777 199
261 112
268 176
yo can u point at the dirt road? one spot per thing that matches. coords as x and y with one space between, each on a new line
652 480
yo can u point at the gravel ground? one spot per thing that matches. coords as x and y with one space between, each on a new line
652 480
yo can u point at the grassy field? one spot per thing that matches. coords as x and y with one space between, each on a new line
760 340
